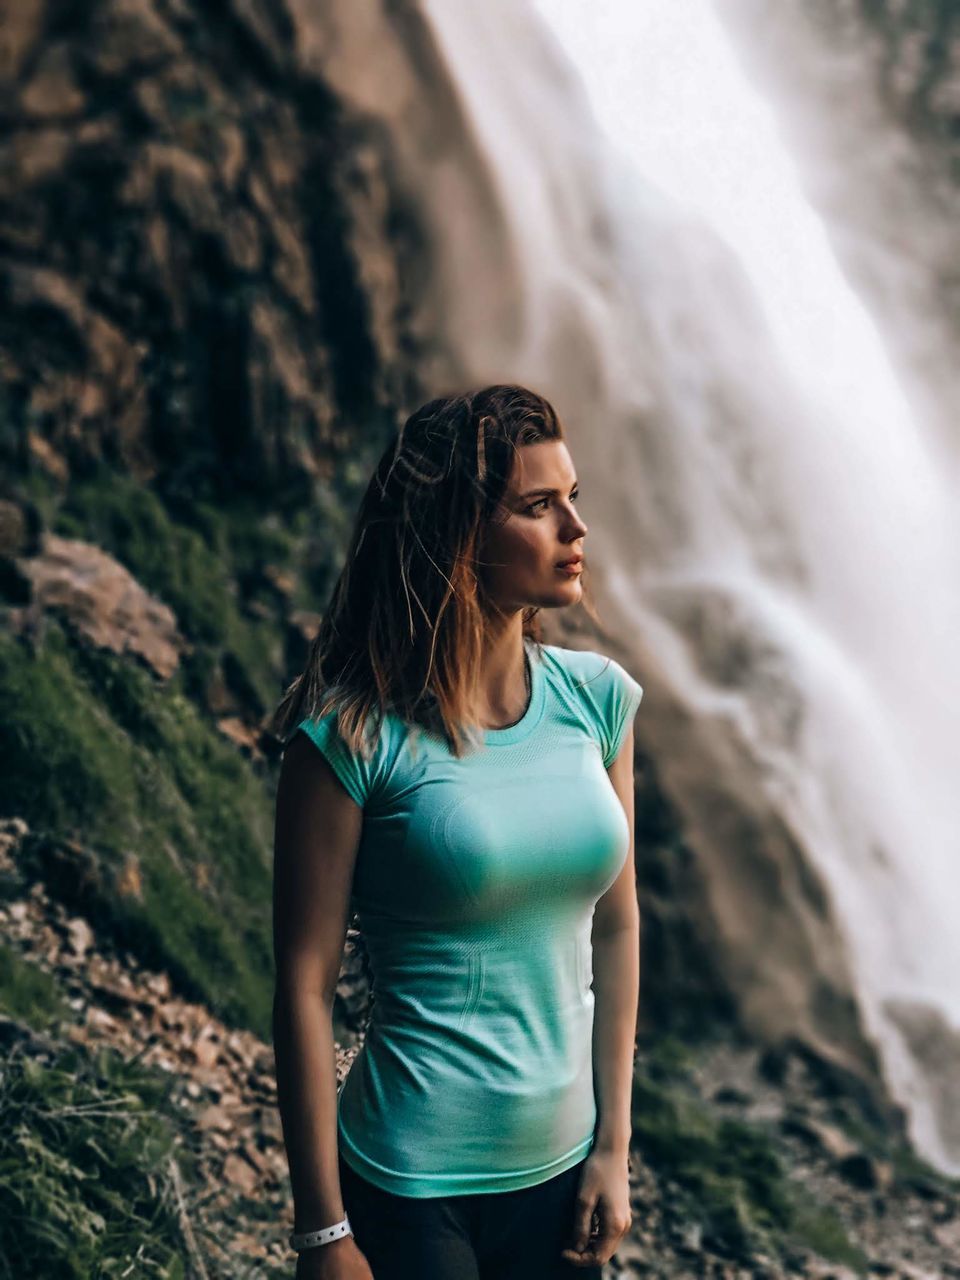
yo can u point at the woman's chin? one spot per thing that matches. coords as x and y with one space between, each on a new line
568 593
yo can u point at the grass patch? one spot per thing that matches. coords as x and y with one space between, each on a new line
86 1178
735 1182
818 1227
27 993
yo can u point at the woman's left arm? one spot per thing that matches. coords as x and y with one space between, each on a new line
616 979
605 1184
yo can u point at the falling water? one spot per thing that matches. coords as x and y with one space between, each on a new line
779 545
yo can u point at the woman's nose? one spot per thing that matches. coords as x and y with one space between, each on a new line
578 526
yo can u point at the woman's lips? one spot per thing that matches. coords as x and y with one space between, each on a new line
571 569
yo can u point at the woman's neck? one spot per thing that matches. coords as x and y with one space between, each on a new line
503 692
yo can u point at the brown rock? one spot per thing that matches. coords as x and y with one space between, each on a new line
250 1246
103 381
205 1049
827 1137
20 27
104 602
159 984
53 91
48 458
947 1234
282 581
80 935
239 1173
215 1117
118 996
241 236
100 1020
168 174
128 35
269 1125
256 1157
241 734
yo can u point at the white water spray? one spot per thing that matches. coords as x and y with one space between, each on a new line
758 483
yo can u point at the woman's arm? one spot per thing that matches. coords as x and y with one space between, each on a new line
604 1191
316 839
616 979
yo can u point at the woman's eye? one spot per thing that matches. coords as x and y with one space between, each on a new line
545 501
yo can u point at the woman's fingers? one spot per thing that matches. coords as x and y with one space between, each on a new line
586 1232
600 1244
586 1222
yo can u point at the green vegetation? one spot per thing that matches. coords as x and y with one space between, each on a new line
195 569
172 825
89 1169
174 562
94 748
819 1228
736 1185
147 819
27 993
909 1168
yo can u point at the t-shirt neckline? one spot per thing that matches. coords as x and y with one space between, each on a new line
531 717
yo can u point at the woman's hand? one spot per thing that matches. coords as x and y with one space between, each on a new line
603 1194
339 1260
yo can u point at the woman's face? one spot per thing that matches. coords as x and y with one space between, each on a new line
536 527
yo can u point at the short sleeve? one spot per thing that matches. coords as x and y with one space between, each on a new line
358 774
610 695
623 696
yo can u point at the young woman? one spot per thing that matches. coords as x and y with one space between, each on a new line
468 791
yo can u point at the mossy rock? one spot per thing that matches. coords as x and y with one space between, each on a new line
170 827
193 568
910 1170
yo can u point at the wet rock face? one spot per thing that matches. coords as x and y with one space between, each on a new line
191 261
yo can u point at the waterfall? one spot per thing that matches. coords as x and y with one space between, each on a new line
772 537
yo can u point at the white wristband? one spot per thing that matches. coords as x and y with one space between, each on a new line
323 1235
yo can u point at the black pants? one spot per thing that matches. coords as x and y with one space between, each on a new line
501 1235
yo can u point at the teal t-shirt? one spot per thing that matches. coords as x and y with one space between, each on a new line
475 886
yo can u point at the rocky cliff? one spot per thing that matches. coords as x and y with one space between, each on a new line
204 340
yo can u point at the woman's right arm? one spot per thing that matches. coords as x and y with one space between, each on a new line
317 834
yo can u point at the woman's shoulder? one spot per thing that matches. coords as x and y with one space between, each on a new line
580 664
606 694
363 767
